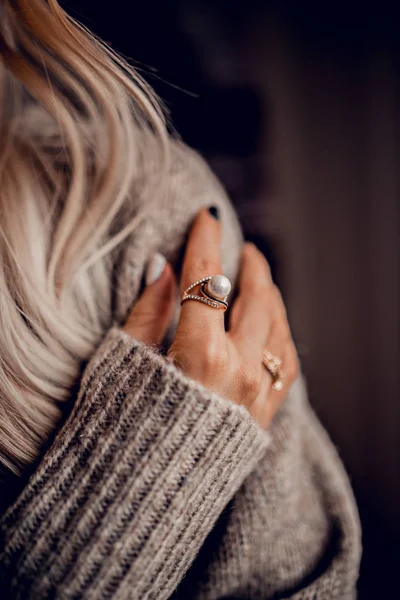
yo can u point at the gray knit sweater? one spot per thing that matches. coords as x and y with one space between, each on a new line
156 487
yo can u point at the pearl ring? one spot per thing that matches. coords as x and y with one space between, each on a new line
273 364
214 291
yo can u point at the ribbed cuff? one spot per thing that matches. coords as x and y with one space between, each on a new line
134 482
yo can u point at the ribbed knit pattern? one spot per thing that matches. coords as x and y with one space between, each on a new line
155 487
137 478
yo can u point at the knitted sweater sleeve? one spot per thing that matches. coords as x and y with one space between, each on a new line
134 481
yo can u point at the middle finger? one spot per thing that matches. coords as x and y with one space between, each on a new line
202 259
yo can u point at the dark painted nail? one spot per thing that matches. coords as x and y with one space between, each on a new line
214 212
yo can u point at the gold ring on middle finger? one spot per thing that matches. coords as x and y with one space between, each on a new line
214 291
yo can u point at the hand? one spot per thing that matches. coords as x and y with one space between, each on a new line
228 362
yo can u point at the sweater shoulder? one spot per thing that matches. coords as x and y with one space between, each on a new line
189 167
191 185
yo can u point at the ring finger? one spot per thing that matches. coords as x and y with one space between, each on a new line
280 334
252 313
269 400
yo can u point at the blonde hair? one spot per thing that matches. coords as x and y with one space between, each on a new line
78 127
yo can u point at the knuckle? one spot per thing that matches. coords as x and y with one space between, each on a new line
250 381
213 358
175 357
181 357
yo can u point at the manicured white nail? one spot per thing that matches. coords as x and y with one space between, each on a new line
155 268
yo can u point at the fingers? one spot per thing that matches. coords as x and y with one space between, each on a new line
202 255
202 258
280 344
253 312
151 315
269 400
280 334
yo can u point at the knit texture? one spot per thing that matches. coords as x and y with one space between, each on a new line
156 487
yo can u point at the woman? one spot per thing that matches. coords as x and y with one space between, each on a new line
143 451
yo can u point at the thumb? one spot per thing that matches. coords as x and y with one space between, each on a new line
151 315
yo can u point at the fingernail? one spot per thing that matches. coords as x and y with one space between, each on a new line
155 268
214 212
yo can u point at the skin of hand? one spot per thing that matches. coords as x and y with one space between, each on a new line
228 362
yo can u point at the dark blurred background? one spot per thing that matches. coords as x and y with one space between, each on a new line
295 105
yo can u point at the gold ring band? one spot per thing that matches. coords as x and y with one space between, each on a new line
206 296
273 364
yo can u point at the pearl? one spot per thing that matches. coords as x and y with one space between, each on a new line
219 287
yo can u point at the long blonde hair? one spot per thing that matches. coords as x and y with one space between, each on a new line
77 128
